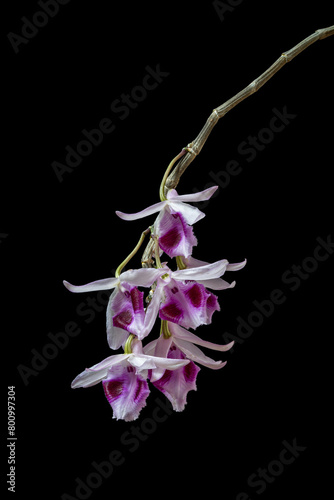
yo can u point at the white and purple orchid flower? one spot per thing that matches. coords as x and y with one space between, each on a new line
125 310
173 224
124 378
180 298
181 344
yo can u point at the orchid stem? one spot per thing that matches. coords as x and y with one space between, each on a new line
180 263
134 251
164 330
127 346
169 168
156 253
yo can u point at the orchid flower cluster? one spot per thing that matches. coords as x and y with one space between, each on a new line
182 299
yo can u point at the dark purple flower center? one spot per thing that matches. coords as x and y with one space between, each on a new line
171 239
195 295
136 297
113 389
190 372
140 386
123 319
171 312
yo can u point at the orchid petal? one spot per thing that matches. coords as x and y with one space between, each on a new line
126 392
162 347
180 333
195 354
152 312
141 277
98 372
176 237
104 284
217 284
190 214
116 337
176 385
125 314
143 362
237 266
199 196
192 262
149 349
143 213
208 271
188 304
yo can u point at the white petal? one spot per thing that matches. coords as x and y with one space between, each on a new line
190 214
200 196
144 213
217 284
149 349
116 336
144 362
192 352
169 363
192 262
104 284
183 334
236 267
98 372
209 271
152 312
161 349
141 277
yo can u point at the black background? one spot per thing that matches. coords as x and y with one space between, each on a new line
275 386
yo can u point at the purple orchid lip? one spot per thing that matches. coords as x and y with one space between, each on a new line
175 385
126 392
188 304
176 237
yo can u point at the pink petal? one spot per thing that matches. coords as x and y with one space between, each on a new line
195 354
217 284
151 313
176 384
143 213
144 362
161 349
205 272
190 214
98 372
211 306
237 266
192 262
141 277
104 284
125 311
116 337
199 196
126 391
180 333
149 349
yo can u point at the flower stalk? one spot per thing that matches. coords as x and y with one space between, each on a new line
164 330
169 168
133 253
127 346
